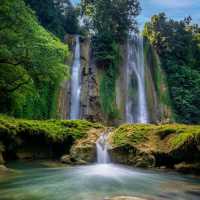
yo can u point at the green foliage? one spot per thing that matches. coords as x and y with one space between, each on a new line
166 137
57 16
188 136
160 81
130 134
178 46
31 63
107 56
56 130
116 17
111 22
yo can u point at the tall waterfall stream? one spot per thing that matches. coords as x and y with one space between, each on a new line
76 83
136 105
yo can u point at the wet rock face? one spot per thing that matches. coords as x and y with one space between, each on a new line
1 154
90 104
1 159
130 155
188 168
33 154
84 150
81 153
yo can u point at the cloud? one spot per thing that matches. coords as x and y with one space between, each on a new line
176 3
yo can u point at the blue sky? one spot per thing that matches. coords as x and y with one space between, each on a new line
176 9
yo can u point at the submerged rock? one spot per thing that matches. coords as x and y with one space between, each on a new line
188 167
125 198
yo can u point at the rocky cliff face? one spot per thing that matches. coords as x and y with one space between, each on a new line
90 108
156 88
90 101
63 107
121 86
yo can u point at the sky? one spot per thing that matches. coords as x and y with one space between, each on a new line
176 9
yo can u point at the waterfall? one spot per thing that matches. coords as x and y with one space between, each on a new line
136 105
102 150
76 83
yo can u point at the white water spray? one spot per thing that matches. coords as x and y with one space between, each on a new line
102 150
136 112
76 83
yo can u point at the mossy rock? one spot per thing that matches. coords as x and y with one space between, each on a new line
53 137
84 150
155 145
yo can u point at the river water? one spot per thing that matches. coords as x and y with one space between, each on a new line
96 182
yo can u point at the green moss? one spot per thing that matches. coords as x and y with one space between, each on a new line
130 134
52 129
186 136
153 62
180 135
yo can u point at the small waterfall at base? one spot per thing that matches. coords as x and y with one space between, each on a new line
136 106
102 150
76 83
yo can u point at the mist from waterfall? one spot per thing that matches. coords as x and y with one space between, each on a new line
136 105
76 83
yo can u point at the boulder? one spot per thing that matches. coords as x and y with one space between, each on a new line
66 159
3 168
131 155
84 150
83 153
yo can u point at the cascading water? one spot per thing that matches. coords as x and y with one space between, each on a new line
76 83
102 150
136 108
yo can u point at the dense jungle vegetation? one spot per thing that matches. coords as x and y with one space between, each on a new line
111 22
178 46
32 54
32 58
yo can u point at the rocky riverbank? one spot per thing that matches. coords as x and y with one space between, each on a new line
173 146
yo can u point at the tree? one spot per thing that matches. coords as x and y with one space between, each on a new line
116 17
178 45
110 21
31 62
57 16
